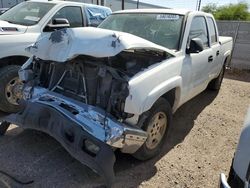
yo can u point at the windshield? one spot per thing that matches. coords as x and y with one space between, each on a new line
162 29
26 13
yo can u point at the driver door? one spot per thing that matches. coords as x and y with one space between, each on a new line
72 13
199 62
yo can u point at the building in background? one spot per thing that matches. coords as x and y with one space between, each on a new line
129 4
113 4
117 4
9 3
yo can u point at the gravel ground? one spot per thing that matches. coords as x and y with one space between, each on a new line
200 146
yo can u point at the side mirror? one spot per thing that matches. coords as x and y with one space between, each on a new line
195 46
57 23
60 21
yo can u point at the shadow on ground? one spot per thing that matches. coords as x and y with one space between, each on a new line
32 155
236 74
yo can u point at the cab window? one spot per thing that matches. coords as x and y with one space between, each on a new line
213 34
199 30
72 14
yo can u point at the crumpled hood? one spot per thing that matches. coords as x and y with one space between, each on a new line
66 44
11 29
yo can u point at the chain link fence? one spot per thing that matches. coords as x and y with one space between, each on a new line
240 31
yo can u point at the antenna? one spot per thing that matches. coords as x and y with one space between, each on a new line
198 5
122 4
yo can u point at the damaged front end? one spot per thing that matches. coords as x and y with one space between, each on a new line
78 95
86 132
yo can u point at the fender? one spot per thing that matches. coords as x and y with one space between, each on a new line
227 54
146 88
14 51
14 45
160 90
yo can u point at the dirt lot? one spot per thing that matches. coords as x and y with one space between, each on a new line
201 145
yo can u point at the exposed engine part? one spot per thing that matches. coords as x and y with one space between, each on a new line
101 82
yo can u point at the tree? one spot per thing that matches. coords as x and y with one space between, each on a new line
228 12
210 8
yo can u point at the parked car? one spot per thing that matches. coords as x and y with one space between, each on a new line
23 24
239 175
2 10
96 90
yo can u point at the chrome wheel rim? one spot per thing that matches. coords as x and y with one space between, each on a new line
156 129
13 91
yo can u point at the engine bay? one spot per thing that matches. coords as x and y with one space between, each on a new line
101 82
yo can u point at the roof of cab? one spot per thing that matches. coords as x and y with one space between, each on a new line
158 10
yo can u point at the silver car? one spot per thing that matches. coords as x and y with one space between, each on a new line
239 175
3 10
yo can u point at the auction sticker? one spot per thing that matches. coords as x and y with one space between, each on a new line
32 18
167 17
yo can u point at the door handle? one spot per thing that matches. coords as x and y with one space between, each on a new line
217 53
210 58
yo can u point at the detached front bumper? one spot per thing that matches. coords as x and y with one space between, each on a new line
86 132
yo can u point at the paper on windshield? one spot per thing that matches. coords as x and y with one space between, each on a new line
32 18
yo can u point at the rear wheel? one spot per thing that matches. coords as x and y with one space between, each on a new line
215 84
10 89
157 126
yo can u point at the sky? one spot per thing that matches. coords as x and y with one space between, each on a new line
190 4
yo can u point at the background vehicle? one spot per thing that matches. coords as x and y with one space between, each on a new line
2 10
23 24
116 87
239 175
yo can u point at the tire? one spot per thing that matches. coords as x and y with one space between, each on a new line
233 179
3 127
215 84
160 110
10 89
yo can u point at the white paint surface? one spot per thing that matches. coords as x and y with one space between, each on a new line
66 44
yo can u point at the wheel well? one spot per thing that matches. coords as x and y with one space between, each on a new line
170 96
227 61
13 60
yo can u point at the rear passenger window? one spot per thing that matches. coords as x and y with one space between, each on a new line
212 30
72 14
199 30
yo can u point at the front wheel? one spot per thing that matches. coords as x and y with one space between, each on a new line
10 89
3 127
157 126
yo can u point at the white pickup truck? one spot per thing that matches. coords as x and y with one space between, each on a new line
116 87
23 24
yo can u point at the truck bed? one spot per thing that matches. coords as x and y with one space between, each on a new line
224 39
